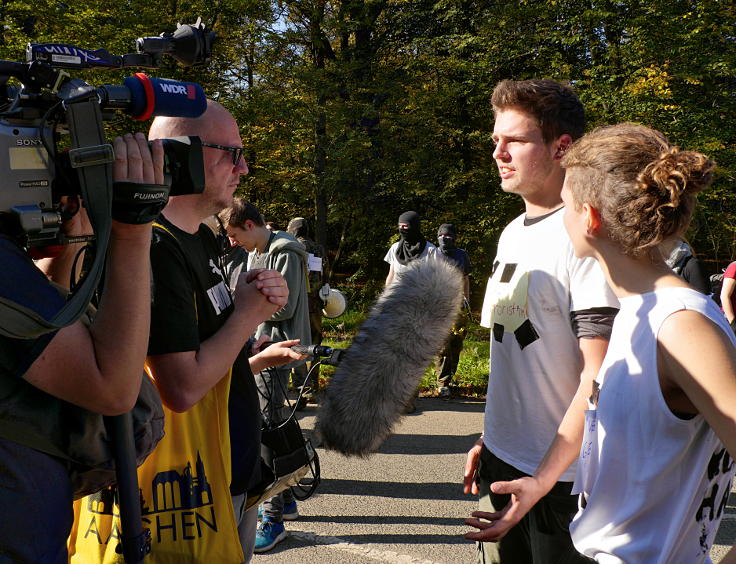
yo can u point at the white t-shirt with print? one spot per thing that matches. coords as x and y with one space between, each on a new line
537 281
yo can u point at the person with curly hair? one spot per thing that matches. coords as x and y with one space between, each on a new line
657 437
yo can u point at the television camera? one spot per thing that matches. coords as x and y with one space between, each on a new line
50 103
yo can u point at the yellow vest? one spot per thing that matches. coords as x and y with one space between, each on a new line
185 493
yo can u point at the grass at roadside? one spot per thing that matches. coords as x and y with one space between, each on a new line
472 371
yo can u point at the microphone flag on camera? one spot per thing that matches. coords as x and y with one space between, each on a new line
163 97
379 373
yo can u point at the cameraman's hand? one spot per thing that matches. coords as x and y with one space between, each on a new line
137 162
78 221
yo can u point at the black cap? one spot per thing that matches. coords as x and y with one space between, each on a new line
447 229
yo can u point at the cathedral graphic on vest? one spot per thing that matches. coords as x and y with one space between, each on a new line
171 491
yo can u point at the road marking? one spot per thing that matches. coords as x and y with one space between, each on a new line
366 550
729 517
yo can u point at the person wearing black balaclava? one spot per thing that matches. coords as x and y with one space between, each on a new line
411 245
450 354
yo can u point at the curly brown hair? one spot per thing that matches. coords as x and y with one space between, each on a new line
555 106
643 186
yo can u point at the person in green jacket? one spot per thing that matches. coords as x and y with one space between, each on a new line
277 250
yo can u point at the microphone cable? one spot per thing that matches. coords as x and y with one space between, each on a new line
307 485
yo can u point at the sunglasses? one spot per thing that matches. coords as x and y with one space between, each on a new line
236 151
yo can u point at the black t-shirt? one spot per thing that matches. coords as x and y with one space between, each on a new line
190 303
461 259
190 300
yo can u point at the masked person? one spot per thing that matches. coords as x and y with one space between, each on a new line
411 246
450 355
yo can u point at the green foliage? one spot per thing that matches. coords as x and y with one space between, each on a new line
345 326
472 371
353 111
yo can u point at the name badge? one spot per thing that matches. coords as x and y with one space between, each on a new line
314 263
585 475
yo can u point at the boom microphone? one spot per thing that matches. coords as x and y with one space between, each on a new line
144 97
379 373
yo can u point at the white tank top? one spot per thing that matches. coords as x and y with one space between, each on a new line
655 485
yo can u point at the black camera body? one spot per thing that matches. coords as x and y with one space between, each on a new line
49 104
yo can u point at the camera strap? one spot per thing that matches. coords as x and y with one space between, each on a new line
92 156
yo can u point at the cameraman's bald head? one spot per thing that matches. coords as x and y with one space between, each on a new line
214 117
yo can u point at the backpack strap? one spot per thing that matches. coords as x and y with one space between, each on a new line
680 265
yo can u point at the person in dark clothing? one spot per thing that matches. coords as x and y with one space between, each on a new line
681 259
450 355
411 245
96 367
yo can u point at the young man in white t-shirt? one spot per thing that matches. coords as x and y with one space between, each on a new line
550 315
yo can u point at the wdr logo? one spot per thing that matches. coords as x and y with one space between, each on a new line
170 88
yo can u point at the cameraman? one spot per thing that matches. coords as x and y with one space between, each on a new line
96 367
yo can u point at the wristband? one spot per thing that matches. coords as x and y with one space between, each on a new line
135 203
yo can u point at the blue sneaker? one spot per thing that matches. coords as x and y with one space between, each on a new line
268 535
290 513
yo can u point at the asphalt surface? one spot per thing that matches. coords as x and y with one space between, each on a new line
403 505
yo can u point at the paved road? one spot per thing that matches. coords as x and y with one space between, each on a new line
403 505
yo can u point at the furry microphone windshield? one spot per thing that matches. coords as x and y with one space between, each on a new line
379 373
